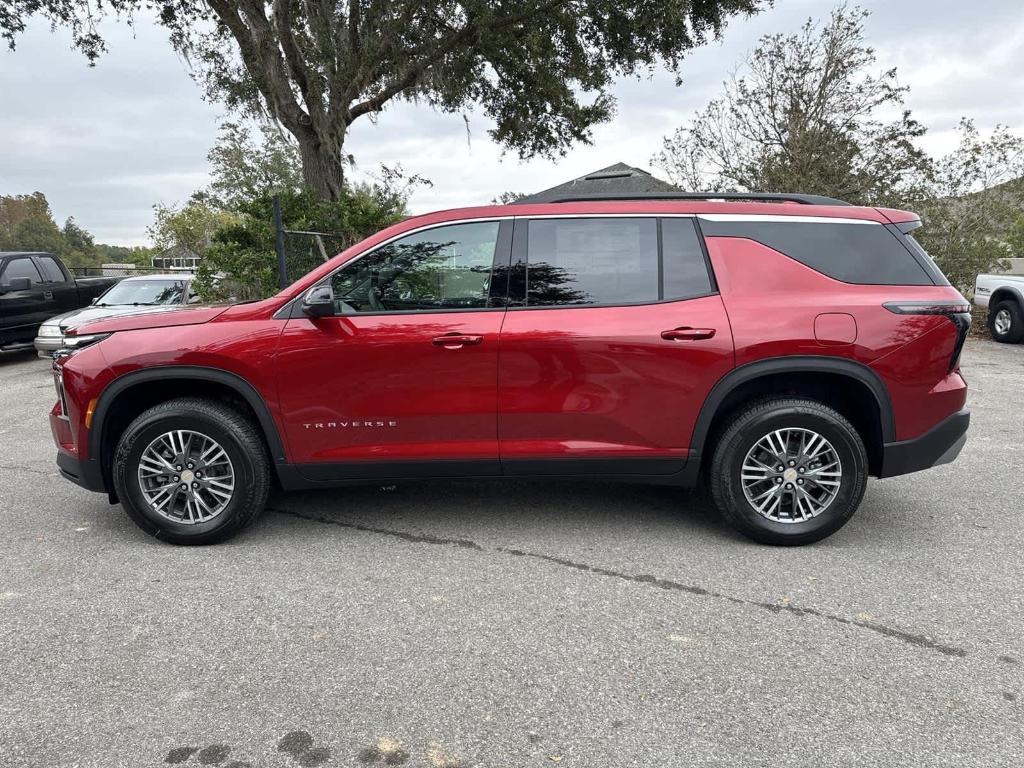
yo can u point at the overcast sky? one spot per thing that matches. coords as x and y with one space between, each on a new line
105 144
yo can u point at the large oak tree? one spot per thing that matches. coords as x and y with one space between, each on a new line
540 70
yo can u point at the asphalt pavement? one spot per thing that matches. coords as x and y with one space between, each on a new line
516 623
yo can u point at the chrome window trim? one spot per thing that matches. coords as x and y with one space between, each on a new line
783 219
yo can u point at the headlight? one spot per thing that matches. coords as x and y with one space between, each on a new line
75 343
50 331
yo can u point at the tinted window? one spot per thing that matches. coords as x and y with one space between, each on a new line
21 268
855 253
52 270
592 261
441 268
926 261
684 269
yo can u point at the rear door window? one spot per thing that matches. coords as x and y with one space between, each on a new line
592 261
51 269
609 261
862 253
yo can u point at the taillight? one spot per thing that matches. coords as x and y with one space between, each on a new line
958 313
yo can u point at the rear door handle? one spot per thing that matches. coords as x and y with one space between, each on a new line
456 340
688 334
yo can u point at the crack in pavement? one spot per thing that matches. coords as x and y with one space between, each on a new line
919 640
34 471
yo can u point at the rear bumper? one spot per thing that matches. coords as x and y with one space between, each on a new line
939 445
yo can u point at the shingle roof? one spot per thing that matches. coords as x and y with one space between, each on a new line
619 179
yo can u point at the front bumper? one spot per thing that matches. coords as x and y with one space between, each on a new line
85 473
939 445
47 345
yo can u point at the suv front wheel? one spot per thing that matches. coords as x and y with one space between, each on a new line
191 471
788 471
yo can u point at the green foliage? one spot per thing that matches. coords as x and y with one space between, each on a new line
541 71
246 169
975 201
191 226
241 261
26 224
802 116
508 197
125 254
1015 238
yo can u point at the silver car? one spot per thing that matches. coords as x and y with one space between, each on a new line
133 295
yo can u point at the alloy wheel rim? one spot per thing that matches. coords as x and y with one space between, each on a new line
791 475
1002 322
186 476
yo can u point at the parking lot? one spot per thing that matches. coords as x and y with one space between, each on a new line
517 623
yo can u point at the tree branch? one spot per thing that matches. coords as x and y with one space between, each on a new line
262 59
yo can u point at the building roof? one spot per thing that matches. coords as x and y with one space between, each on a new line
618 179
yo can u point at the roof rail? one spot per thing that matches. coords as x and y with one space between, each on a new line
764 197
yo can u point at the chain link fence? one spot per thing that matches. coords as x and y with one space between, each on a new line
126 270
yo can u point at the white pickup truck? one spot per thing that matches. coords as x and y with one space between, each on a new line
1004 297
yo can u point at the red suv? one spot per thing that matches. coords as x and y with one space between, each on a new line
783 347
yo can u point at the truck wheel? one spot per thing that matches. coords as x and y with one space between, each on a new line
191 471
788 471
1006 322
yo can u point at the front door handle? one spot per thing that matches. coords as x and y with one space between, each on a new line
688 334
456 340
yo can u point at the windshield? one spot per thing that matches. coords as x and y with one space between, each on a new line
144 292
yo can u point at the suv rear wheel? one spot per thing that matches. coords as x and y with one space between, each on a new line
191 471
1006 322
788 471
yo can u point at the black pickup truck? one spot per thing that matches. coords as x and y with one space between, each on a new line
37 286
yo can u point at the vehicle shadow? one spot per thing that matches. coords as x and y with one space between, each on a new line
554 507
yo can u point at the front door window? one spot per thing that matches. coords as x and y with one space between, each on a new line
440 269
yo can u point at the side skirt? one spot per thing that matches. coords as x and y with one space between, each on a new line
660 471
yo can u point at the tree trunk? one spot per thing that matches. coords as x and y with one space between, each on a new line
322 168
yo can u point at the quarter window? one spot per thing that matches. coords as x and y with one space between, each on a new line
22 267
442 268
867 254
592 261
685 271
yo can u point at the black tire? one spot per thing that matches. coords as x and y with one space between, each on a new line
1015 333
751 424
235 433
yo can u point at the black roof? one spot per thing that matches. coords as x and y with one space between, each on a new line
24 253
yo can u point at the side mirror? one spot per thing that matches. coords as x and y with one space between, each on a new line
16 284
318 302
95 300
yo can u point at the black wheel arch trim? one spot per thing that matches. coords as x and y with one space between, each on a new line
1006 293
198 373
790 364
